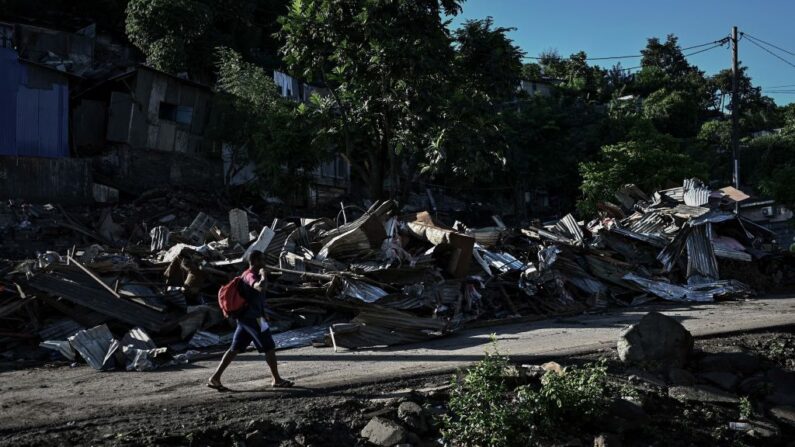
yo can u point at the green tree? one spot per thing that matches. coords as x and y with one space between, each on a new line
169 32
486 60
667 56
385 63
280 136
181 35
757 112
482 85
672 112
649 159
769 162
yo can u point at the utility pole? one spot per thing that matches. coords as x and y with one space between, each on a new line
735 113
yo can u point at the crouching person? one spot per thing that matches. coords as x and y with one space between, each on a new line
252 325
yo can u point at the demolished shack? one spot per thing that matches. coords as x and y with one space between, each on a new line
142 295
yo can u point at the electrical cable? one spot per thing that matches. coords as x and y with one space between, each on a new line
753 41
770 44
718 42
781 86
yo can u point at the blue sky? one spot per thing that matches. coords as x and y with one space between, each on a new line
620 27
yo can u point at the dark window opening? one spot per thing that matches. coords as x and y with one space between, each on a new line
173 112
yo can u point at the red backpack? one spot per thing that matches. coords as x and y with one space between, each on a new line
229 297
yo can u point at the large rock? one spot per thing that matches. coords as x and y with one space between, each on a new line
702 393
383 432
411 414
655 340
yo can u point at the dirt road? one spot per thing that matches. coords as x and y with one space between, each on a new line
49 397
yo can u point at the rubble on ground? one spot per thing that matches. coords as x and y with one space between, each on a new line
135 286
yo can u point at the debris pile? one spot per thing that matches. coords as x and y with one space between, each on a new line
141 294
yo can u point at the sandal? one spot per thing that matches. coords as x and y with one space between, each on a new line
216 385
284 383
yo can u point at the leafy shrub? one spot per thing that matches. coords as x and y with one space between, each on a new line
746 409
573 399
484 411
481 410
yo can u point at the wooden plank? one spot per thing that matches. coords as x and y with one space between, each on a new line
100 300
94 277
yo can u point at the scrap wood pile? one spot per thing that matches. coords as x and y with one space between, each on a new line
385 278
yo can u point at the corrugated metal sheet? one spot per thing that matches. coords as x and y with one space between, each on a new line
650 223
568 227
203 339
671 252
670 292
362 291
11 74
34 120
655 240
66 180
695 193
503 262
96 346
138 339
60 330
702 266
686 212
296 338
677 194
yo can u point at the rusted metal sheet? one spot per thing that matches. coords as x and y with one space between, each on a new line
65 180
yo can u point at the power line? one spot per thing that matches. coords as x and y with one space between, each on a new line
780 86
705 49
770 44
753 41
718 42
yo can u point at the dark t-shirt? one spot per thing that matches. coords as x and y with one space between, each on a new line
254 298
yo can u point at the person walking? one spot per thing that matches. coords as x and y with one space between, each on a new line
252 325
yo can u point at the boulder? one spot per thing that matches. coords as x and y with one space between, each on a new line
702 393
679 376
383 432
656 339
411 414
725 380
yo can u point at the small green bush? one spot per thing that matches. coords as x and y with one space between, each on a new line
484 411
571 400
480 405
746 409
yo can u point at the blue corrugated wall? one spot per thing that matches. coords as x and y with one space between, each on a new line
33 122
